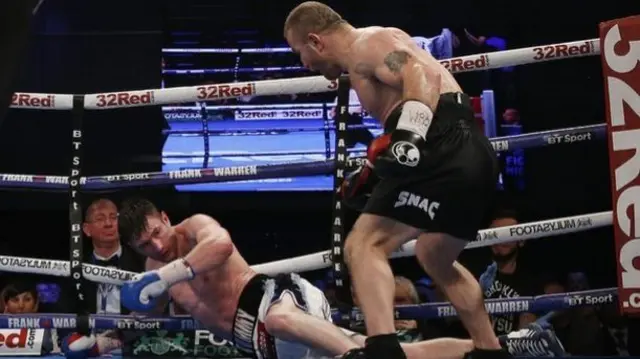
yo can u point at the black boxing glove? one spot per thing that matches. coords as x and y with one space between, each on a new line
404 152
357 187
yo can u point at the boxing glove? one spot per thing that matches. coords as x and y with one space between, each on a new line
357 187
404 152
141 293
78 346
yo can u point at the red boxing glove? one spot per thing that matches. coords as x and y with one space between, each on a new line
377 147
357 187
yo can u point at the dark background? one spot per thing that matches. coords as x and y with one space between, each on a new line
83 47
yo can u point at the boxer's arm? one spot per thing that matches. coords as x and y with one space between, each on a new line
213 243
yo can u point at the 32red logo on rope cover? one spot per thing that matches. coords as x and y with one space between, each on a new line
563 50
124 99
620 41
212 92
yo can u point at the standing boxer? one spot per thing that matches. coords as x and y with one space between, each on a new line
437 170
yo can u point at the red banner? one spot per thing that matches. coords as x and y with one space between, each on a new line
620 54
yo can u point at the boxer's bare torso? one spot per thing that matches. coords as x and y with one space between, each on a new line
212 297
380 91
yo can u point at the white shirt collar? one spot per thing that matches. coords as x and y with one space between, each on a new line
116 253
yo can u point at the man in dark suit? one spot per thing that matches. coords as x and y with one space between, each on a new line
101 226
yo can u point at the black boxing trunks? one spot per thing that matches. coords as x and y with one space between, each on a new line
454 189
249 333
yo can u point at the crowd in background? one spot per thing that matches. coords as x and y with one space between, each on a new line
590 330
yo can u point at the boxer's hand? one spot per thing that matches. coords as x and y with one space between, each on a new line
141 293
357 187
404 150
78 346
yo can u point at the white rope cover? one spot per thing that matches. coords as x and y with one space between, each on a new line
320 260
290 86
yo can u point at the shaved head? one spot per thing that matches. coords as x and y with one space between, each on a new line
311 17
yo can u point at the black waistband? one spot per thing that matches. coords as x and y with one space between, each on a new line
246 315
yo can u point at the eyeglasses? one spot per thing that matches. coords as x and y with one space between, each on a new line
101 219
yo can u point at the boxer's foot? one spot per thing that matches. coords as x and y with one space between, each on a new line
384 346
533 341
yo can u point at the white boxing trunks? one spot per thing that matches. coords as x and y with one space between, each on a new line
249 333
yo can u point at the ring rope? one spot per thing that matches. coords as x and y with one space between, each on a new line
537 304
322 259
227 70
308 84
306 105
226 50
251 154
240 173
267 131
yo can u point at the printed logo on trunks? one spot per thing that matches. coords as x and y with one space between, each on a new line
243 330
407 199
406 153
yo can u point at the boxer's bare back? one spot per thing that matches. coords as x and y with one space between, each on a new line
212 297
375 58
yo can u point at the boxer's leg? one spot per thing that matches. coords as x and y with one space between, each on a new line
305 320
528 342
437 253
367 248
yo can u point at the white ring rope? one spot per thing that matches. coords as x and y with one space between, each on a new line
291 86
321 260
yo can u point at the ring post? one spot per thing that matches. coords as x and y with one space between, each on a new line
204 117
620 55
75 215
340 275
327 131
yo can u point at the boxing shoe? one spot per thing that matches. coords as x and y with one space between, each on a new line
533 341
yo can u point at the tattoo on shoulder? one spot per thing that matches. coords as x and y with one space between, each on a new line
396 59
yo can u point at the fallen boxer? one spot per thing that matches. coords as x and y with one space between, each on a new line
196 263
431 176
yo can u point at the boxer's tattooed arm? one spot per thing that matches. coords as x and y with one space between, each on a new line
395 60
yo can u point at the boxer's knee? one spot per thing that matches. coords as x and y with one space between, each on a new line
372 234
280 320
279 324
360 244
